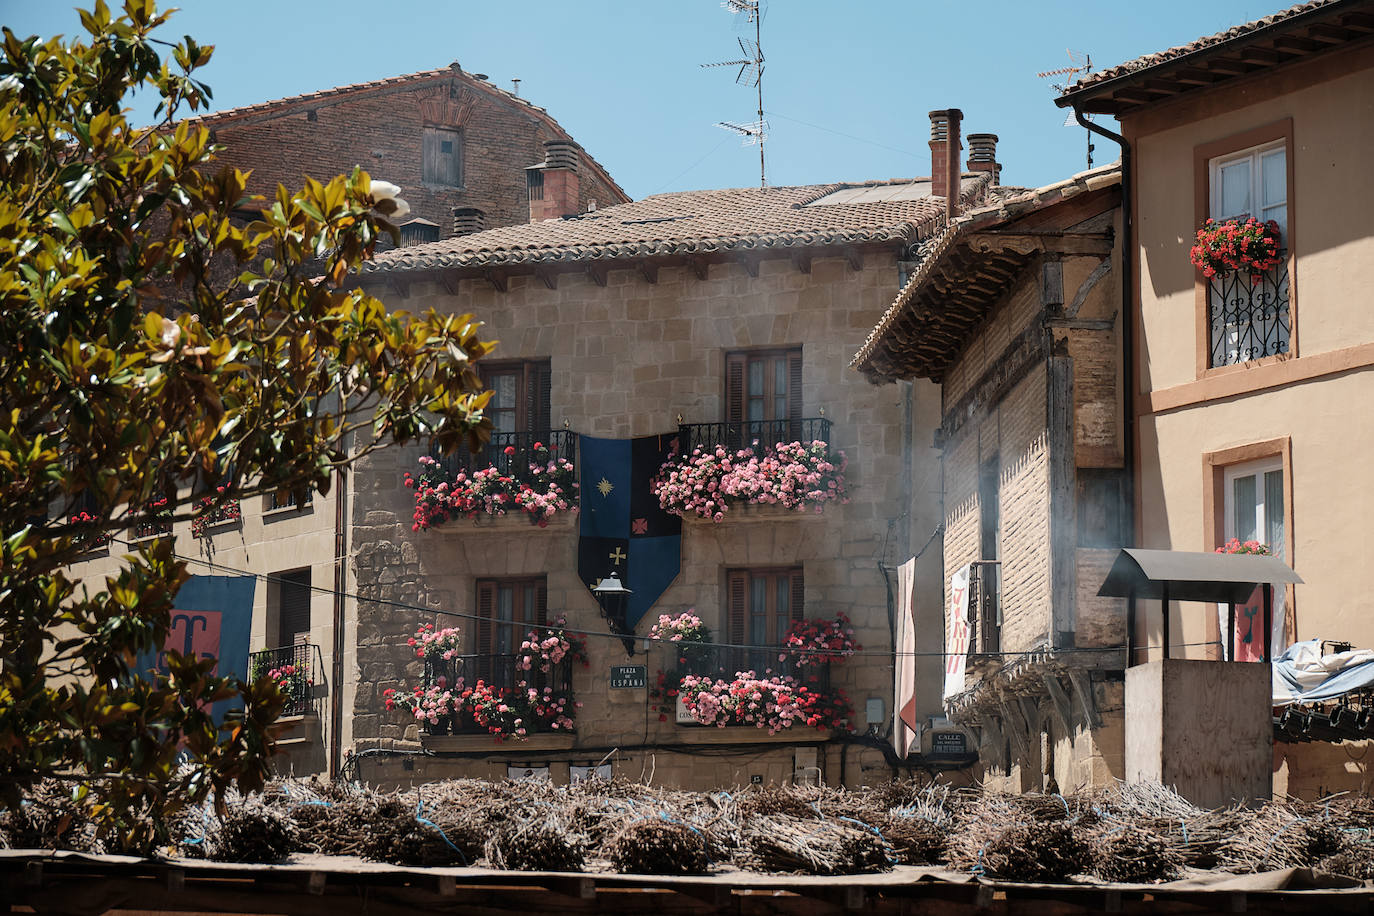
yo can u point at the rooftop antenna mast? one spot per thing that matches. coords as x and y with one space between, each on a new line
1081 62
750 70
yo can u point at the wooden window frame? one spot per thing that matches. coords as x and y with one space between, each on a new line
1214 467
441 133
736 604
281 581
534 388
484 633
736 394
1203 156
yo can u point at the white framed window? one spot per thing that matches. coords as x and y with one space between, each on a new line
1249 318
1254 503
1252 182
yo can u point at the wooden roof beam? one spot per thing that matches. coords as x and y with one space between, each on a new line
700 266
547 276
496 277
649 270
1231 67
1266 56
1359 22
1329 33
598 272
1197 77
1296 44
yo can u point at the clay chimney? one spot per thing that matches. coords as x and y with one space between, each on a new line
945 148
553 183
982 156
467 220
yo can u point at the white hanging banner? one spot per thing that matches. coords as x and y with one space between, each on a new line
905 730
956 632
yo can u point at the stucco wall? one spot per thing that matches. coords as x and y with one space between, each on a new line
627 358
1322 414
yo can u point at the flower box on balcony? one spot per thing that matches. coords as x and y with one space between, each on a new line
515 522
760 512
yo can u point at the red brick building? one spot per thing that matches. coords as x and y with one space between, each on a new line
450 139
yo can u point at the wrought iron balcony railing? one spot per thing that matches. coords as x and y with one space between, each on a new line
496 671
296 669
985 606
513 453
724 662
741 434
1249 315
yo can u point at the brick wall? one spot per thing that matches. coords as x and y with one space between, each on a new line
626 359
381 130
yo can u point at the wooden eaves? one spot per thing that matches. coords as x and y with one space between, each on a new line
1339 24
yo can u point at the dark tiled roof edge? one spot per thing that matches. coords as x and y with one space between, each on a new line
1170 55
1009 208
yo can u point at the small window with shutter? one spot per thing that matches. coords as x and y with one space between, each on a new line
506 610
763 396
292 600
442 157
761 606
521 392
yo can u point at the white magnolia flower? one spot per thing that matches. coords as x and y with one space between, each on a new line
386 198
169 338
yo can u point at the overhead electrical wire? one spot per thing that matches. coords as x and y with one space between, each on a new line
599 634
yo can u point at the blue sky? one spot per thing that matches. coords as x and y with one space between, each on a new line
846 89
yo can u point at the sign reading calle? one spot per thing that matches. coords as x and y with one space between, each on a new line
627 676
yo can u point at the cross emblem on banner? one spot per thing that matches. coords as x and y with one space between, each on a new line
617 555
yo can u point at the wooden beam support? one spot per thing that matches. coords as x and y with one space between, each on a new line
994 736
856 260
1016 726
1194 76
751 263
496 277
1083 688
578 888
1231 67
1359 22
802 261
1031 710
1144 96
1331 34
448 280
1105 106
649 271
1060 700
700 266
1266 56
1163 87
597 271
1296 44
399 284
549 278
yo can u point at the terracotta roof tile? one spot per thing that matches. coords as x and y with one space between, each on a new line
1172 54
999 210
697 222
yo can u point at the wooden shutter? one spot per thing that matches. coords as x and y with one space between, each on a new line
293 608
794 385
541 601
735 364
486 612
736 605
538 396
797 592
430 168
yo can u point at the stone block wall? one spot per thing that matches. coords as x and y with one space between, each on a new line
626 360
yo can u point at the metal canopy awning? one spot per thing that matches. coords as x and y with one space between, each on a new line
1175 575
1222 578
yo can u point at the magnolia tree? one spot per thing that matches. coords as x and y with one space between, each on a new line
130 374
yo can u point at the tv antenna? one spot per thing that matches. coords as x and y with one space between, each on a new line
1080 62
750 65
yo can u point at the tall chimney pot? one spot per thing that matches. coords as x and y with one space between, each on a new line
945 147
554 189
982 155
467 220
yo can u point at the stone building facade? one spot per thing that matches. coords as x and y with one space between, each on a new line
1014 311
638 312
450 138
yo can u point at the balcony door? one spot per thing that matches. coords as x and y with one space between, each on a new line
763 396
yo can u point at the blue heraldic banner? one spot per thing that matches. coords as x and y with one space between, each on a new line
623 531
211 618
